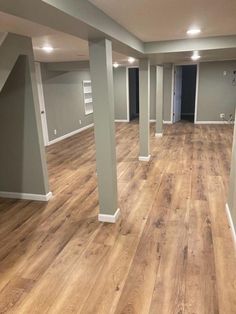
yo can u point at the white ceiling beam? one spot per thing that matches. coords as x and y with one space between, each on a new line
184 45
97 20
79 18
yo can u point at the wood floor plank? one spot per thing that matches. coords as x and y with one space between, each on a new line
171 251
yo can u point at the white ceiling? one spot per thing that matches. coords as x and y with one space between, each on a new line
148 19
67 47
154 20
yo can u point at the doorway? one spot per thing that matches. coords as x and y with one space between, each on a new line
185 80
41 103
134 93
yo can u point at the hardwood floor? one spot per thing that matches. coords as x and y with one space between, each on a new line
171 252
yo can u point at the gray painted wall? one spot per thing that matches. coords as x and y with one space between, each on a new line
120 92
63 82
216 93
22 169
64 102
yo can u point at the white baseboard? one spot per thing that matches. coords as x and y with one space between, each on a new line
27 196
144 158
164 122
63 137
117 120
231 224
158 134
212 122
109 218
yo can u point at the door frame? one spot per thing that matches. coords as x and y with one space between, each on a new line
175 93
43 116
127 92
173 86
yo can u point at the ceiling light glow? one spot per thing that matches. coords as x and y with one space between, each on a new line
131 60
115 65
48 49
194 31
195 56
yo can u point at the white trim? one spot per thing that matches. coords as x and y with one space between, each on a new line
144 158
211 122
164 121
127 93
27 196
121 120
187 63
70 134
196 93
109 218
180 67
231 224
158 134
43 117
132 66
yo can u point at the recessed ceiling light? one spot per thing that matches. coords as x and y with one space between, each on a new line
195 56
115 65
48 49
131 60
194 31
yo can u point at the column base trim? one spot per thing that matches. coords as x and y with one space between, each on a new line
231 224
158 134
26 196
144 158
109 218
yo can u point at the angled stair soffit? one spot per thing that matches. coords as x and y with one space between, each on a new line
11 47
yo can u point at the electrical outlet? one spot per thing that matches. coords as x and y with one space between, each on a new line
80 122
55 132
222 115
